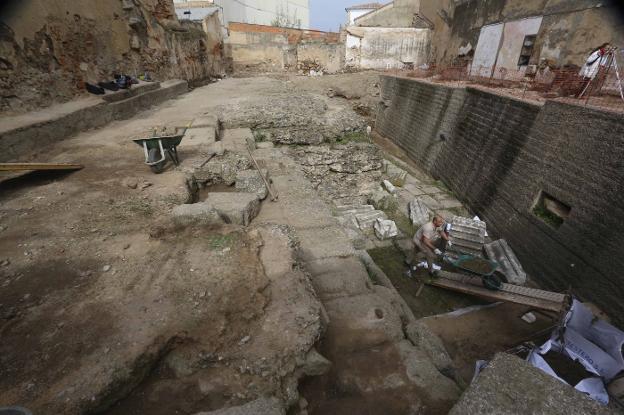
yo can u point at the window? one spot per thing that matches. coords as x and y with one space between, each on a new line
527 50
550 210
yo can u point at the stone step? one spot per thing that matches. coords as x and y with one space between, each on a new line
353 209
366 220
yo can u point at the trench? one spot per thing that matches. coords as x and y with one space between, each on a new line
476 335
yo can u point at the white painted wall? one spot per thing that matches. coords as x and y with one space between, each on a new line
352 52
264 12
195 13
354 14
487 49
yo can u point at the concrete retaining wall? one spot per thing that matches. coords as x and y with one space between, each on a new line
497 154
31 132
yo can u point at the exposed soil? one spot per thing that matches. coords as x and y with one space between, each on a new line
567 369
476 335
424 300
102 298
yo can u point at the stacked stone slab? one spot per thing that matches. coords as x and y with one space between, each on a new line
467 236
510 266
367 220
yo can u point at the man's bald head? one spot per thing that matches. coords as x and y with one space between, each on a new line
438 220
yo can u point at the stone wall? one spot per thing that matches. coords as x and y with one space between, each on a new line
499 154
49 49
257 48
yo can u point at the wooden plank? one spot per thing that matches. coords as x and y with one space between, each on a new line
509 288
39 166
467 288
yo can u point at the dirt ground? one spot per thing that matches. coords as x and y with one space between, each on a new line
97 288
107 307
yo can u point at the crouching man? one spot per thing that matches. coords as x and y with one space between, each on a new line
430 240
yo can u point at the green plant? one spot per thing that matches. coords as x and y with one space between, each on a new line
259 136
353 136
547 216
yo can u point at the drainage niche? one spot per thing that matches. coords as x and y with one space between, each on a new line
551 211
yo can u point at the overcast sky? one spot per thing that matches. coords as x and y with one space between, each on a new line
329 14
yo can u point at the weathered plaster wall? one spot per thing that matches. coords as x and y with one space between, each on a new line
330 57
49 48
268 48
385 48
498 153
570 29
399 13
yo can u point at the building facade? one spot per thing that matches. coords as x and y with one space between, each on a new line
283 13
359 10
508 35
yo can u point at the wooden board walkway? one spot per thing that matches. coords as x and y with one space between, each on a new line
472 285
39 166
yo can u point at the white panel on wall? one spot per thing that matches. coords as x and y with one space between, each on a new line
513 37
487 48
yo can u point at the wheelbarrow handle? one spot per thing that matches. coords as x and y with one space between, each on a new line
162 153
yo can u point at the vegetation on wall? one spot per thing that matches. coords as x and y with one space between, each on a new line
284 19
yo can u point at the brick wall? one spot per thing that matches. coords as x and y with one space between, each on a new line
497 154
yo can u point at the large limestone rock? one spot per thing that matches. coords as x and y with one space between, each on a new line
427 341
222 169
385 229
396 175
383 200
200 214
419 213
315 364
509 385
250 181
235 208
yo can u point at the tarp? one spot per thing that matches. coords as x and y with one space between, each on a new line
594 343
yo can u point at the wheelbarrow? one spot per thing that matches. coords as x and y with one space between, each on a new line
484 268
158 147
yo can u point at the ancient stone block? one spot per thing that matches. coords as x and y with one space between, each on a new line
196 214
385 229
509 385
236 208
419 212
389 187
250 181
510 266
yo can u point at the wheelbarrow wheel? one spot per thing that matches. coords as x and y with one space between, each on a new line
152 157
492 282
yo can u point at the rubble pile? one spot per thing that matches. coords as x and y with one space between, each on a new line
345 174
286 118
